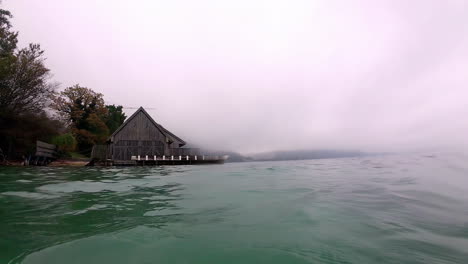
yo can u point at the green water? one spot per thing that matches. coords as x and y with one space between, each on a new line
389 209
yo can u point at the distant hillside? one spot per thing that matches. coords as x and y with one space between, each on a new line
233 156
287 155
306 154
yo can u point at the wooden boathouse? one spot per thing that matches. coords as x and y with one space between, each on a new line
142 141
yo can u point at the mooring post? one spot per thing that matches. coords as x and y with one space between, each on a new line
180 157
164 157
172 157
146 157
195 157
187 157
138 157
155 157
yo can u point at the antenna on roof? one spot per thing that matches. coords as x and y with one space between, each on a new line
131 107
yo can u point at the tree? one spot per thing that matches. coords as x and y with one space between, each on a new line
8 38
25 92
115 117
85 112
8 41
65 142
24 86
18 134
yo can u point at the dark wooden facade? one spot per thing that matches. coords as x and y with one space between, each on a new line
141 136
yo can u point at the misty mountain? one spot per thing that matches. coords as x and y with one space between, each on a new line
288 155
306 154
233 156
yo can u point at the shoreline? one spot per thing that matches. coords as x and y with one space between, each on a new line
71 162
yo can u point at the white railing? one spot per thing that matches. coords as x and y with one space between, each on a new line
178 158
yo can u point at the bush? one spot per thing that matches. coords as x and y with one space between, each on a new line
65 142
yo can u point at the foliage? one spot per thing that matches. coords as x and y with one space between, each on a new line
76 155
115 117
8 41
24 94
65 142
77 103
24 85
18 134
8 38
85 111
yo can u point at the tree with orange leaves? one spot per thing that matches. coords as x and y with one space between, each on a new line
85 112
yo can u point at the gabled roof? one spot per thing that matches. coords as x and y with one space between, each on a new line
164 131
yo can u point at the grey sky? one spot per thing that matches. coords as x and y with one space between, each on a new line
265 75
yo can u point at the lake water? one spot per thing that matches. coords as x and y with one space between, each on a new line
383 209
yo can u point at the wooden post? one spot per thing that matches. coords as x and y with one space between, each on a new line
164 157
138 157
187 157
195 157
172 157
146 157
180 157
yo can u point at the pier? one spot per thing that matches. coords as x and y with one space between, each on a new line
163 160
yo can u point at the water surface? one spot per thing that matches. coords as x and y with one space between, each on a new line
387 209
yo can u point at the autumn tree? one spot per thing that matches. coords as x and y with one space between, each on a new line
85 112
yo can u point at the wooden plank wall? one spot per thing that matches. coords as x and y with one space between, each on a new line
45 149
140 136
184 151
99 152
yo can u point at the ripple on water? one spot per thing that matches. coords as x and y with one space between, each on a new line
31 195
91 208
323 211
85 186
90 186
24 181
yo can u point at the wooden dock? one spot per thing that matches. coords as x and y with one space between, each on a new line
163 160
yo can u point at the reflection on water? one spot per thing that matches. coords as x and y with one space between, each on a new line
390 209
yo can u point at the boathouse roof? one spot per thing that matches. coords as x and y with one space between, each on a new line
163 130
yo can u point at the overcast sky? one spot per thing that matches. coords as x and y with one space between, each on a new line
254 76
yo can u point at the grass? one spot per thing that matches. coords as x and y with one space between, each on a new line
77 155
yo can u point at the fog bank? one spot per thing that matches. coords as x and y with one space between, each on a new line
255 76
